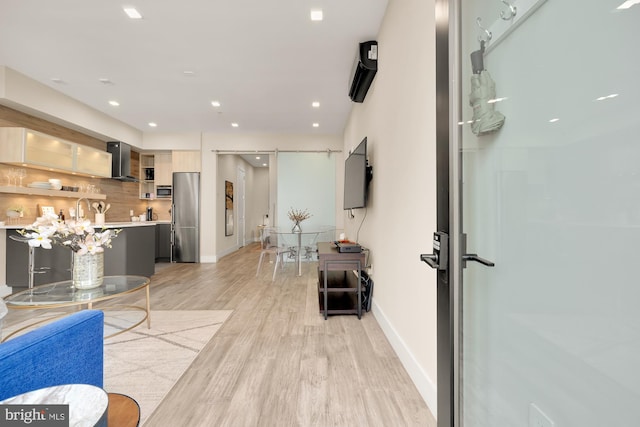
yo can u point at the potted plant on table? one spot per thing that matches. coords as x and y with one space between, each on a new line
297 216
80 236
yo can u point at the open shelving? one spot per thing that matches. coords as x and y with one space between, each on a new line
30 191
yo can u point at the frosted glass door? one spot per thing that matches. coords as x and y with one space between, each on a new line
93 161
44 150
551 334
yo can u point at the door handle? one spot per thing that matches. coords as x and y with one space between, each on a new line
472 257
439 258
430 259
476 258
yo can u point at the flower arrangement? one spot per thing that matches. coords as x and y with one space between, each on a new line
79 236
297 215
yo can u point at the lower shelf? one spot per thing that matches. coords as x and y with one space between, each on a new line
342 292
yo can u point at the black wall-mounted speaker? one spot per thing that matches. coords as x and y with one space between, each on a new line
364 70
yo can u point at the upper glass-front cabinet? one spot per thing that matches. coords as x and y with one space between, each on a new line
38 150
42 150
93 161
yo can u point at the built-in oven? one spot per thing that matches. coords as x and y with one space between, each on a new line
163 191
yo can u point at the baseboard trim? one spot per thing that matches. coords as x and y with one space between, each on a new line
208 259
227 251
426 387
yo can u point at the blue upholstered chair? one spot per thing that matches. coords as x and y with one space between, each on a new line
69 350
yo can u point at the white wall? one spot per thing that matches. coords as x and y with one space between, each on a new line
398 118
171 141
255 187
306 181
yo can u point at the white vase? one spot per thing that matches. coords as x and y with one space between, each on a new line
88 270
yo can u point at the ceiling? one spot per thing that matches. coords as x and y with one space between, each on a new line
264 61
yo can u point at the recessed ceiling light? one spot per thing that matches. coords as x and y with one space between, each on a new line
316 15
132 12
114 103
257 157
235 125
105 81
315 125
153 125
215 103
315 104
57 80
189 73
264 164
554 120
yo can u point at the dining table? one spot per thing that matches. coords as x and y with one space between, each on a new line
297 240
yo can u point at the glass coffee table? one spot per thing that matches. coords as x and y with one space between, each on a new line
63 294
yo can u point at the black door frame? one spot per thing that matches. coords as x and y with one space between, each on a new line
448 212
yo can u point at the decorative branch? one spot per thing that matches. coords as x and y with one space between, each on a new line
297 215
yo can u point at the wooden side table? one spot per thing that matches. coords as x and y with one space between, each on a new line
339 291
123 411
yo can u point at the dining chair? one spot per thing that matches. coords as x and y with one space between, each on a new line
270 244
325 234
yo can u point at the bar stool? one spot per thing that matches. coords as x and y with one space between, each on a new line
32 260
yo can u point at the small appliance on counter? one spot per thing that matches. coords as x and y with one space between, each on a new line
149 214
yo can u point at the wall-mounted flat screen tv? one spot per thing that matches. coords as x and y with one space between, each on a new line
356 177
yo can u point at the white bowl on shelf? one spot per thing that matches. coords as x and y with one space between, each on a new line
56 184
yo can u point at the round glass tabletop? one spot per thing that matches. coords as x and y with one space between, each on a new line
63 293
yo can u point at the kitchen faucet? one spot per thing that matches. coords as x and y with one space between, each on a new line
78 207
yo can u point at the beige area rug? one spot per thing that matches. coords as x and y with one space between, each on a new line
146 363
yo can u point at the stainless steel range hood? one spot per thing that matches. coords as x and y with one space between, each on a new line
121 161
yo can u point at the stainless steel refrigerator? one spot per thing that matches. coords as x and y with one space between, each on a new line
185 217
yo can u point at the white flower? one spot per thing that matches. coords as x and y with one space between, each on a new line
39 240
79 236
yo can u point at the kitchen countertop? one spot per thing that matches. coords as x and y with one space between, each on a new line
106 225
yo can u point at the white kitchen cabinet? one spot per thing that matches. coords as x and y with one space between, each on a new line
163 169
38 150
185 161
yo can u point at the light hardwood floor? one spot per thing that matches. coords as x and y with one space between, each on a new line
276 361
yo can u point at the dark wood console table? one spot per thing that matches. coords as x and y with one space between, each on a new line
339 289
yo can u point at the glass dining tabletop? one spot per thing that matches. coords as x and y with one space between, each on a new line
297 239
